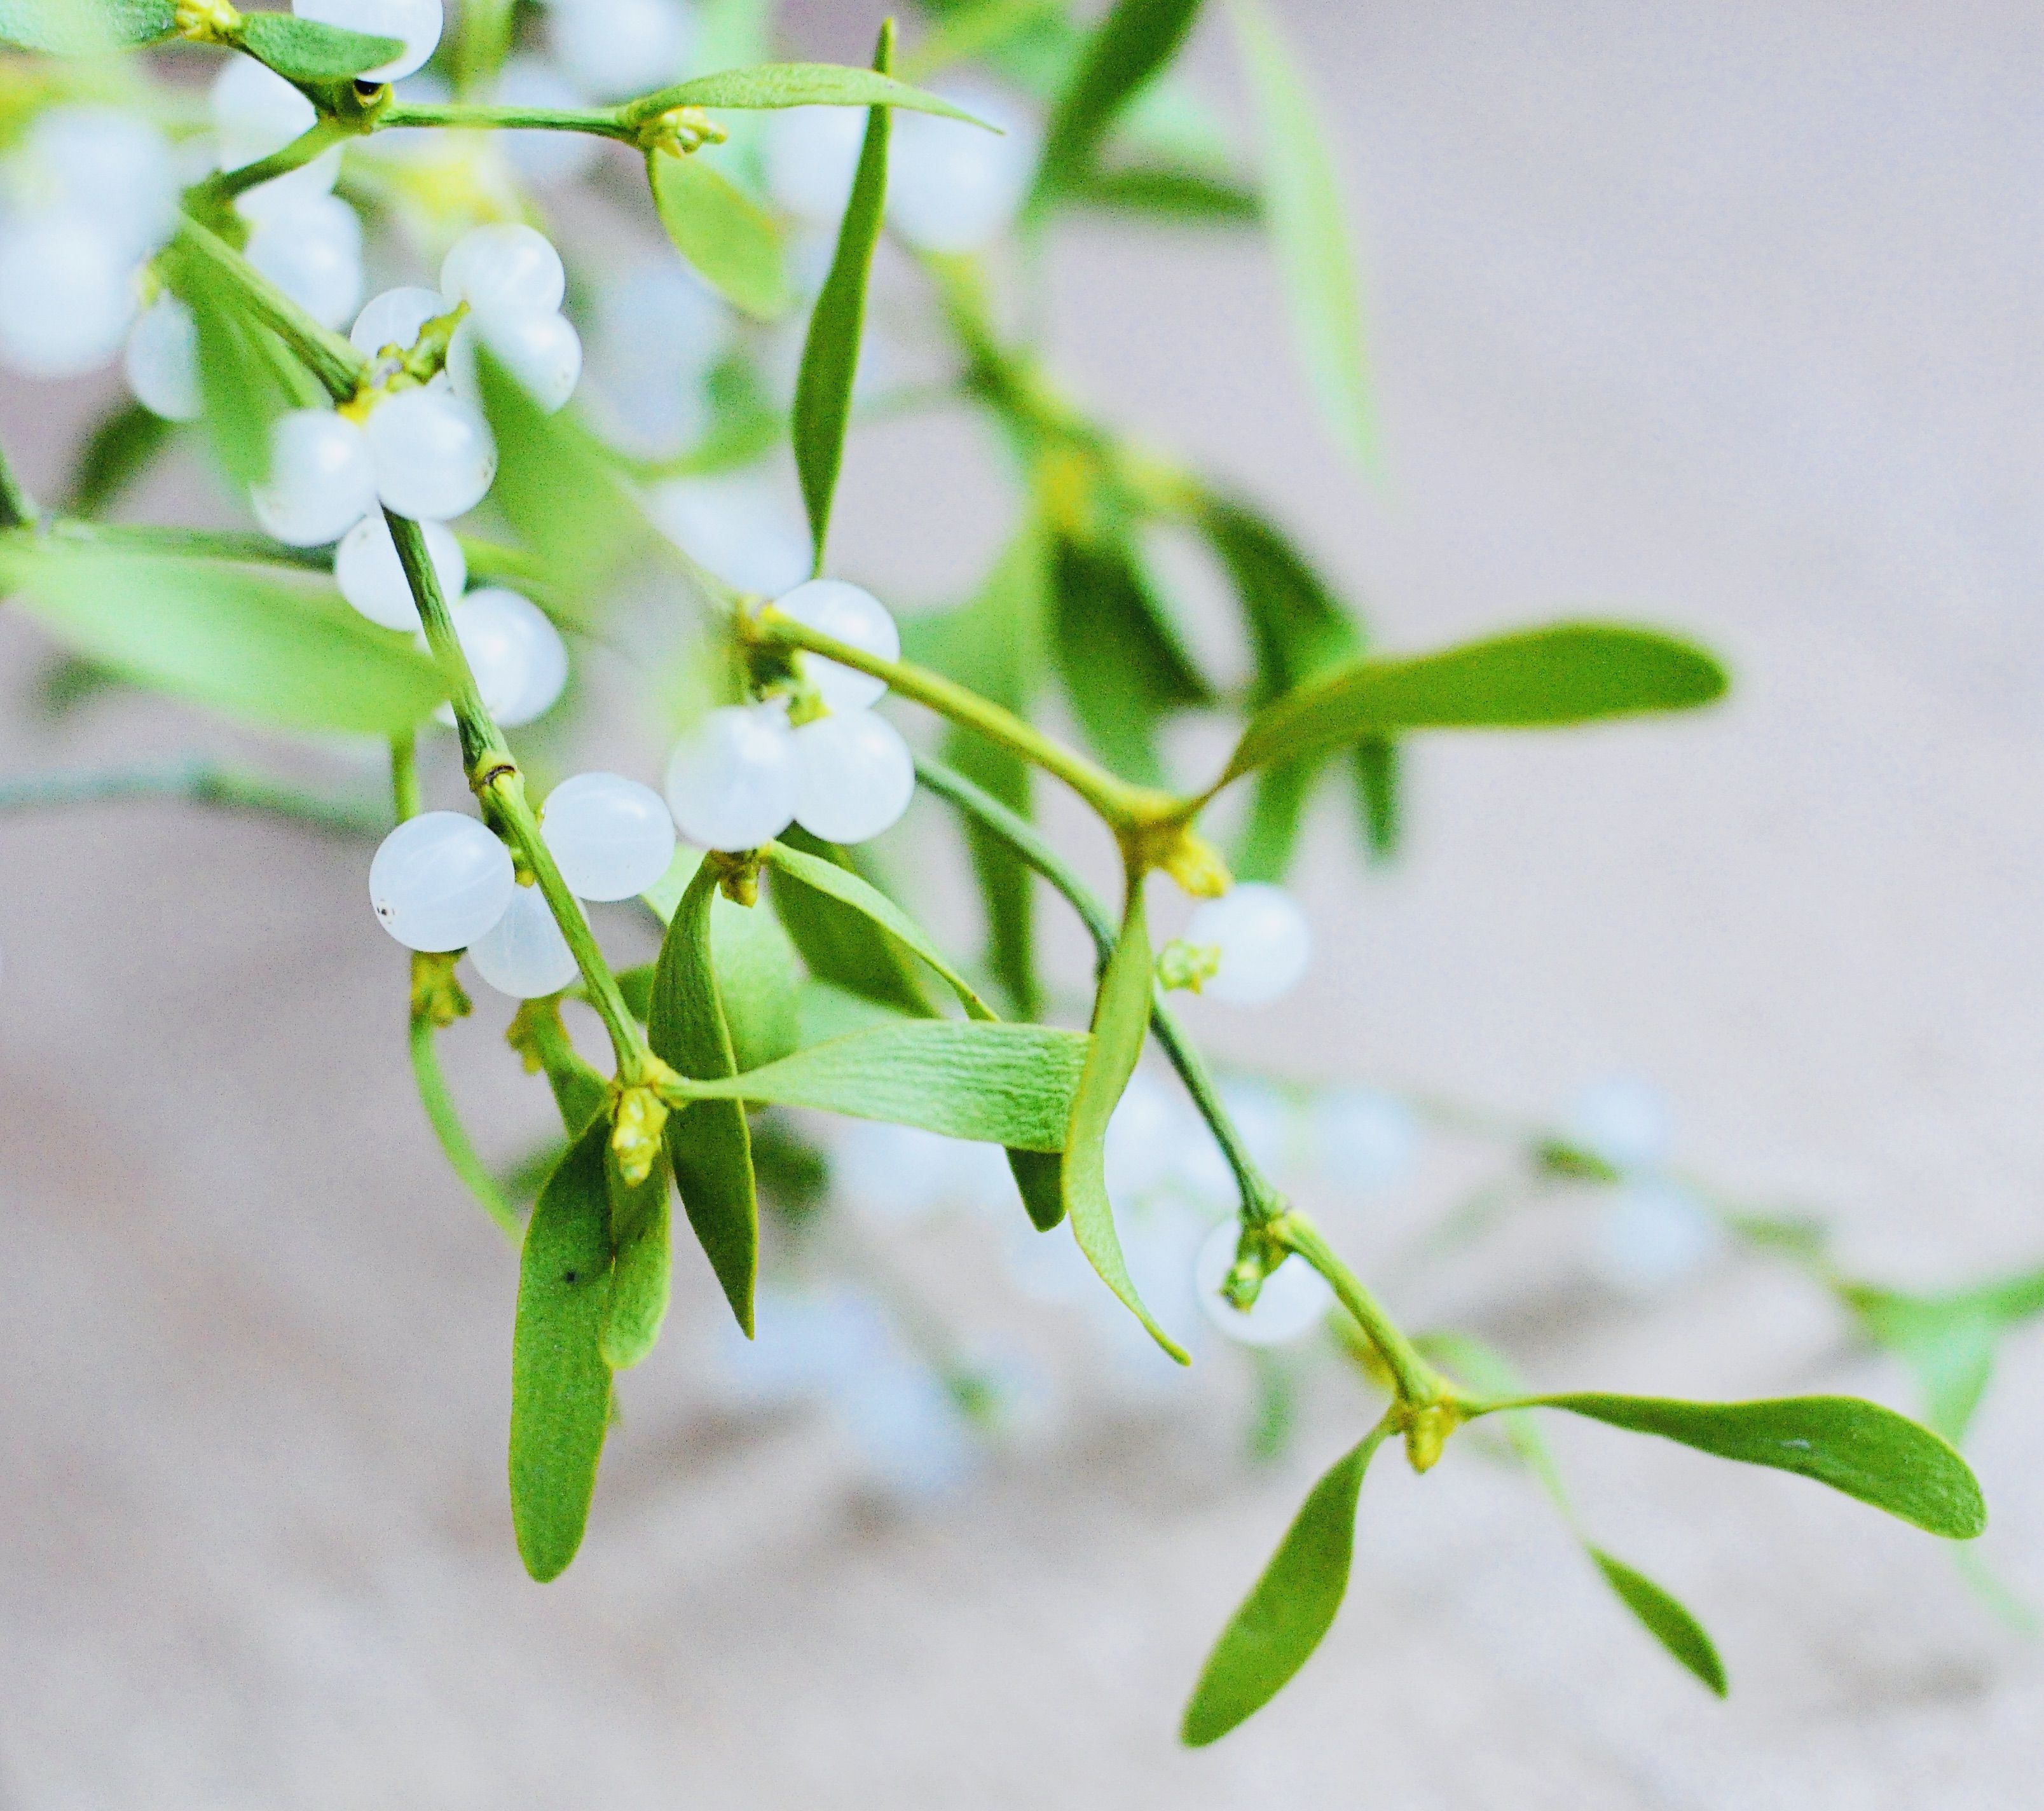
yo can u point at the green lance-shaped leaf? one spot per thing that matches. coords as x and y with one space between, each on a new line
796 85
1949 1344
271 645
1178 194
128 440
1124 53
1119 657
759 980
708 1142
1865 1450
1665 1619
85 28
304 50
830 357
241 383
729 238
642 1235
1121 1018
995 1084
840 944
1288 1609
1302 201
560 1386
1536 678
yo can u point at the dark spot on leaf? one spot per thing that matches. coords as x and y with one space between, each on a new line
569 1276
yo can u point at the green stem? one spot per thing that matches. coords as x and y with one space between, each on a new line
222 188
445 1119
331 359
1124 807
603 122
1418 1384
195 782
192 544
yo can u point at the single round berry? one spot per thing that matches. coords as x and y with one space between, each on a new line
855 776
440 881
542 353
611 836
1651 1236
611 48
372 578
504 266
416 23
312 252
546 160
732 781
162 360
955 187
434 458
845 613
1264 940
395 318
100 163
519 661
321 483
524 953
811 157
255 112
67 295
1293 1301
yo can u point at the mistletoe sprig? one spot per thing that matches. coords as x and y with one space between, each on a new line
439 399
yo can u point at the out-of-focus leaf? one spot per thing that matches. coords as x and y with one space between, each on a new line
1567 673
707 1142
837 326
1125 52
1120 659
1664 1618
239 383
994 1084
794 1174
731 240
642 1235
1865 1451
1121 1019
1949 1344
1302 201
1288 1609
304 50
1377 765
85 28
840 944
1169 193
124 446
560 1386
271 645
797 85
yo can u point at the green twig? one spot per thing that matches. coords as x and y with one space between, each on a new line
462 1155
326 355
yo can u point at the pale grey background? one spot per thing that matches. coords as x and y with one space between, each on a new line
1725 314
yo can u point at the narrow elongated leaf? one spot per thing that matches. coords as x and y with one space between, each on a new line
85 28
707 1143
1288 1609
1171 193
1949 1344
642 1235
1567 673
830 356
1665 1619
560 1387
1122 662
759 980
1865 1450
1377 766
799 85
726 235
243 390
1121 1018
995 1084
840 944
304 50
127 442
269 645
1123 54
1302 201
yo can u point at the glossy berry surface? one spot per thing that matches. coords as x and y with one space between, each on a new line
611 836
846 613
321 482
732 781
855 776
434 457
161 363
1264 939
519 661
504 266
395 318
372 578
523 954
439 880
416 23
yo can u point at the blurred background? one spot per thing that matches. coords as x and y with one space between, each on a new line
1718 316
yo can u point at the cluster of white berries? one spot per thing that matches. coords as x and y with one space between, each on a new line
746 771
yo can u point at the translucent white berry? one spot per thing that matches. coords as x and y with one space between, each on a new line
611 48
1651 1235
1622 1120
732 781
845 613
812 155
524 953
320 482
162 360
416 23
395 318
1293 1301
855 776
312 250
541 352
546 160
504 266
519 661
741 525
104 164
952 186
434 458
372 577
658 330
1264 939
255 112
611 836
67 295
439 880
